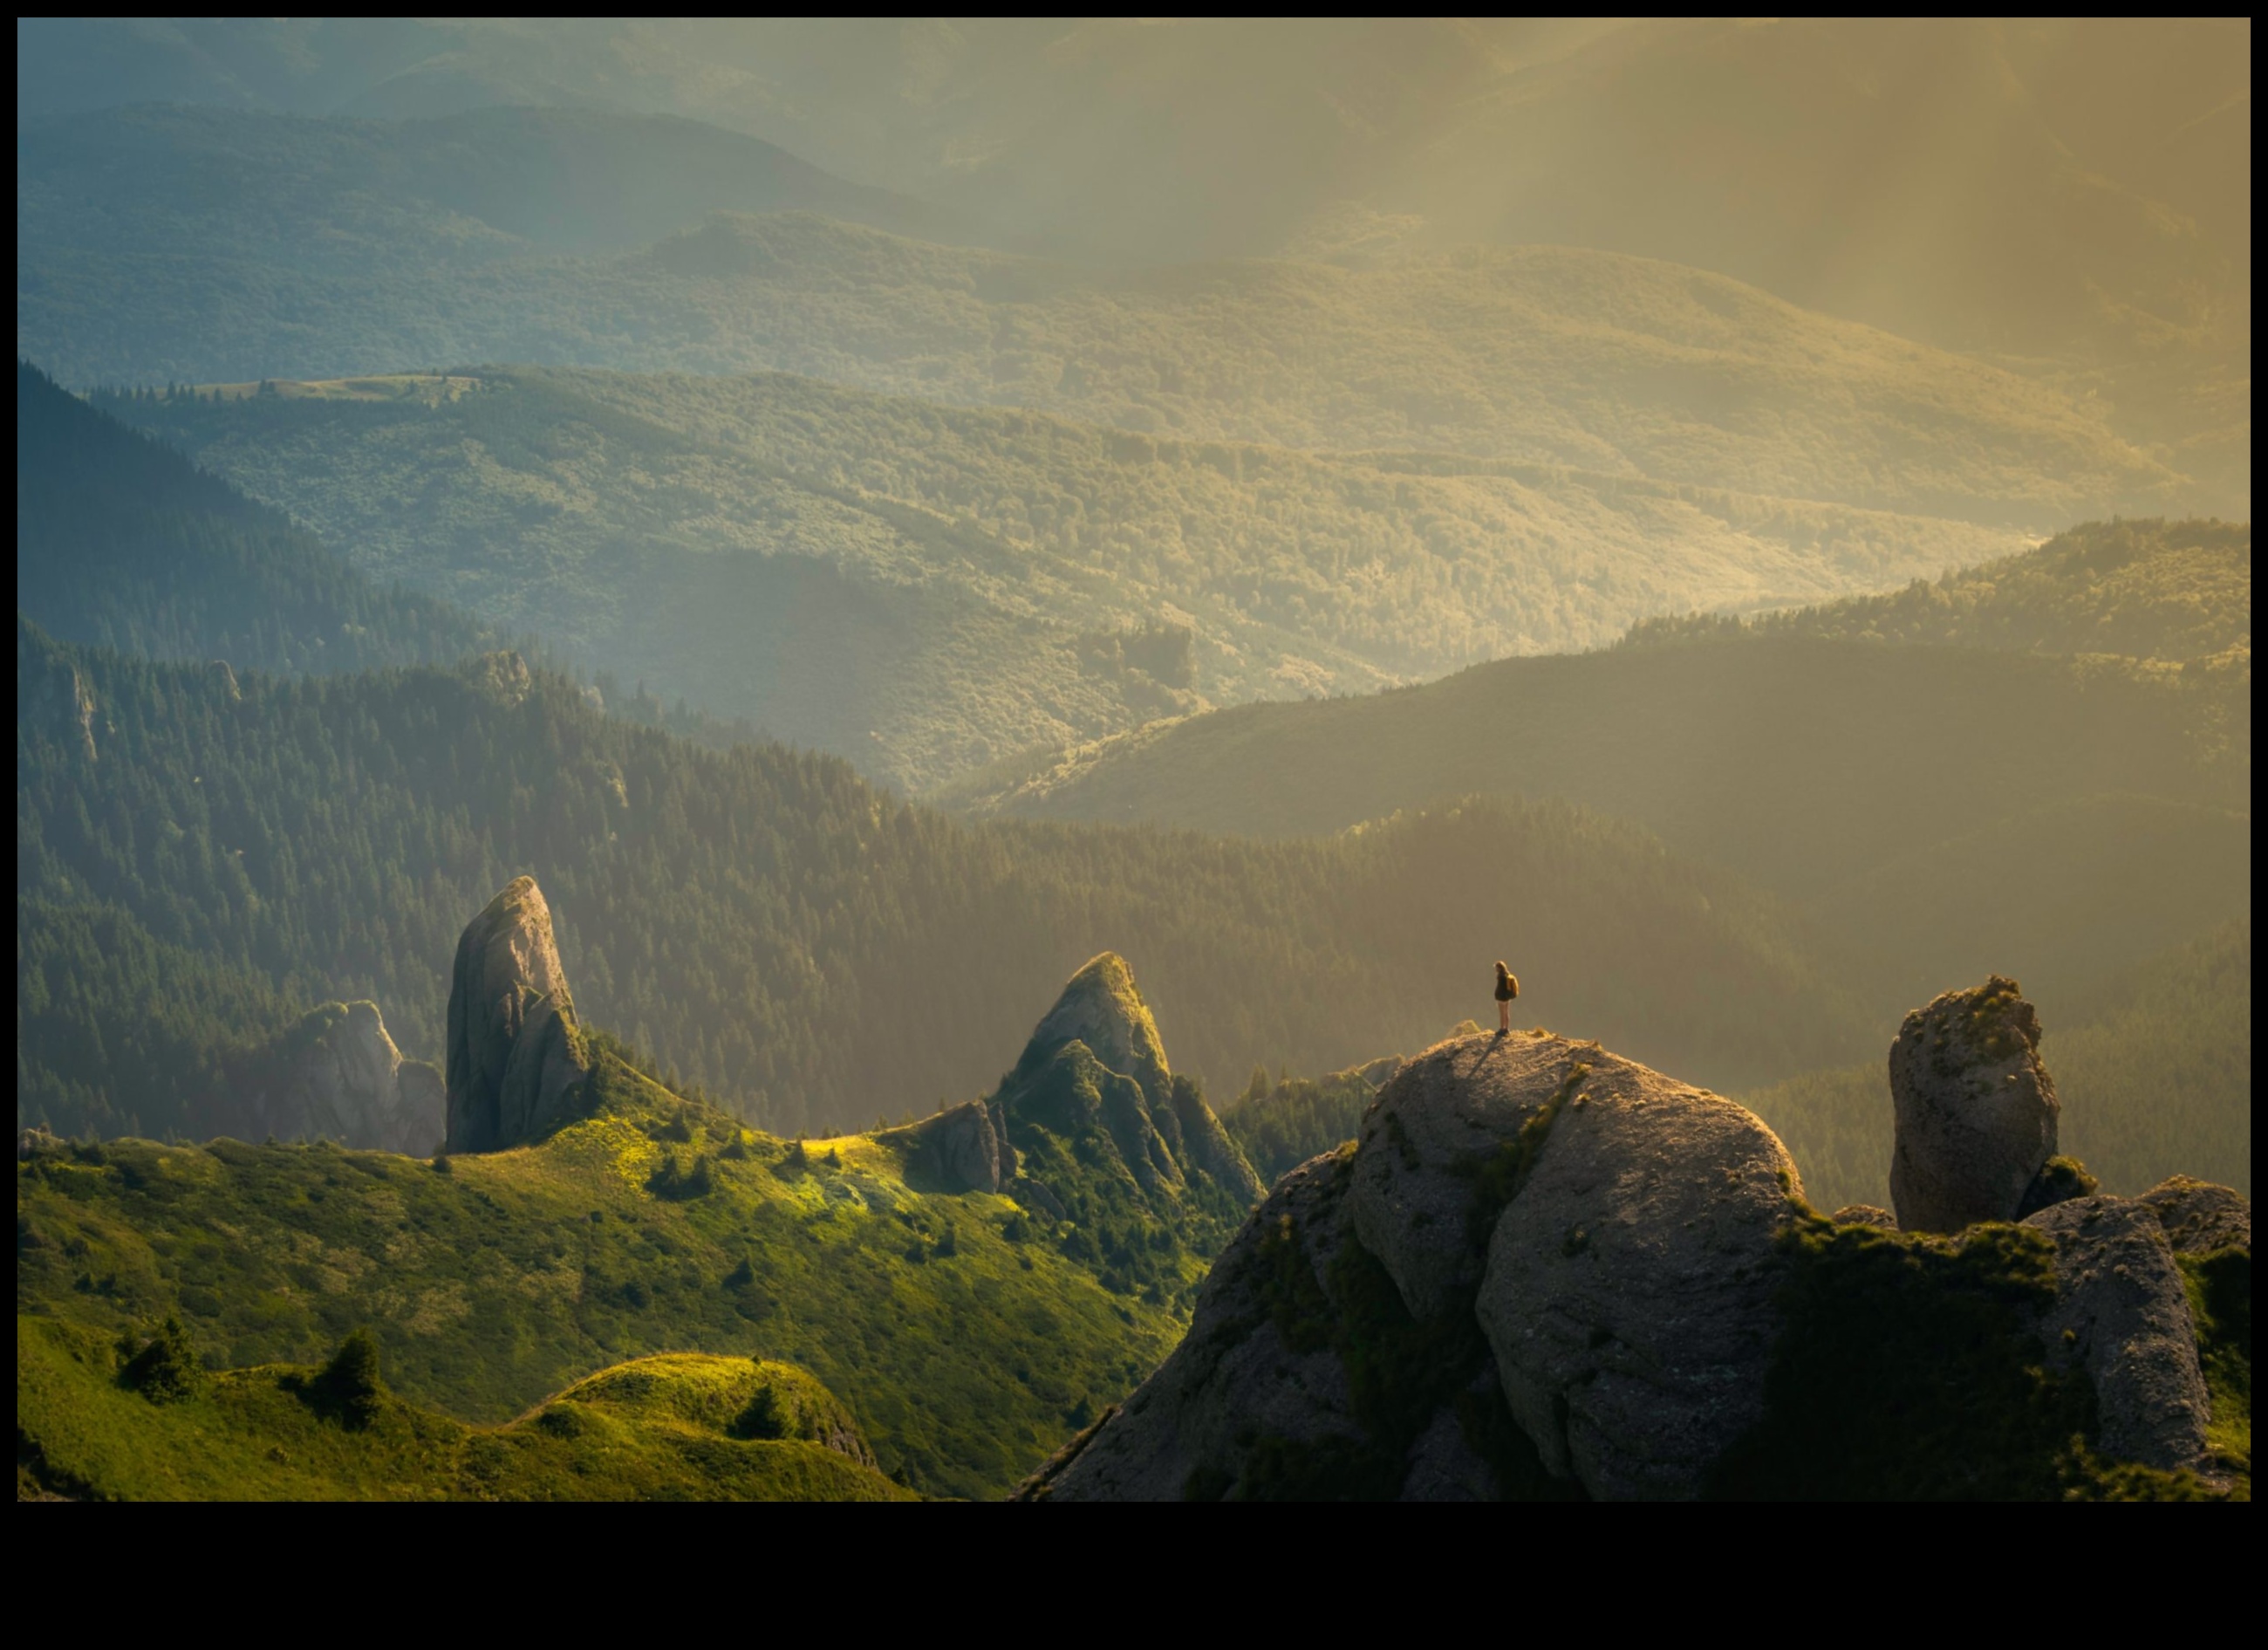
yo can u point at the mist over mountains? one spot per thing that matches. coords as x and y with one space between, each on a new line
835 535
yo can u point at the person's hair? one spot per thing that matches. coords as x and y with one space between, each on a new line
1503 973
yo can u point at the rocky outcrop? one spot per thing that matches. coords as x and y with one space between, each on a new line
1094 1066
2122 1314
338 1076
1630 1295
961 1148
1244 1379
1435 1129
1608 1231
2199 1217
1541 1264
515 1051
1975 1110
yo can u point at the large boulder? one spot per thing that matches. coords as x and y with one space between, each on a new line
1245 1383
1526 1223
1975 1110
1427 1142
515 1050
2122 1314
1630 1294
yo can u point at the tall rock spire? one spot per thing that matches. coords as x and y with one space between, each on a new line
514 1046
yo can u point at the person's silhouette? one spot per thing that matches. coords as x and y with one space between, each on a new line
1508 987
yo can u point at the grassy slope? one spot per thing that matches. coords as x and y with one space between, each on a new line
509 1275
657 1428
2153 1070
907 584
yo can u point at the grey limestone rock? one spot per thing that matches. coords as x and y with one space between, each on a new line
420 1108
2123 1315
514 1051
1975 1110
1189 1430
1424 1144
1629 1292
2199 1217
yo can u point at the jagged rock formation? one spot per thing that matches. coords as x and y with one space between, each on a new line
1865 1214
515 1050
1568 1241
2123 1315
1975 1109
1095 1065
338 1076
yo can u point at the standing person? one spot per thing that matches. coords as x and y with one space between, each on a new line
1508 987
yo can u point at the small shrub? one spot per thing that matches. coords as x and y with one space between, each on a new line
164 1368
353 1381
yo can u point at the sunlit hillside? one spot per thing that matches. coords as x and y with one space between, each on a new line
925 590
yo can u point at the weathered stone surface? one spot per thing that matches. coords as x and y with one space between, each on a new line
961 1146
1206 1144
1101 1007
338 1076
1444 1116
514 1051
1865 1214
1975 1109
2199 1217
1629 1290
1444 1466
2123 1315
1191 1428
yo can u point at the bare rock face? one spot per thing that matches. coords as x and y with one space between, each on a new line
963 1147
1192 1429
2199 1217
514 1049
2123 1315
1629 1290
338 1076
1427 1141
1599 1239
1975 1109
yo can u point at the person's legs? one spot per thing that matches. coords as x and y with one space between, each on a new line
1503 1016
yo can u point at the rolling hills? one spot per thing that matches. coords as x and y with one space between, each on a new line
671 1427
964 1315
926 590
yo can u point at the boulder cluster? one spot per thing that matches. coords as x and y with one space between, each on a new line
1587 1258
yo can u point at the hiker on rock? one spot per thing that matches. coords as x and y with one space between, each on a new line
1508 987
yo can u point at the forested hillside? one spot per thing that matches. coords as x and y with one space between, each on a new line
1941 810
2171 592
925 590
785 936
122 542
